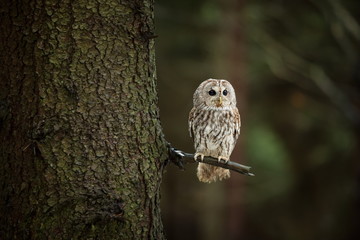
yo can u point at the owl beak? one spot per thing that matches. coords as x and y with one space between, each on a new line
220 101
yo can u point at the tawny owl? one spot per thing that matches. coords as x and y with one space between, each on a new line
214 125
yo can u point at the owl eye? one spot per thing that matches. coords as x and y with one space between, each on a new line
225 92
212 92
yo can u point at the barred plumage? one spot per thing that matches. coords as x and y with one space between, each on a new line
214 124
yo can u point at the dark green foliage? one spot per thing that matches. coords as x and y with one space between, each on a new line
300 115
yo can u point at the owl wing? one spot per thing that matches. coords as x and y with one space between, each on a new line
191 119
237 123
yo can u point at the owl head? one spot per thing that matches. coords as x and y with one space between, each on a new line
215 93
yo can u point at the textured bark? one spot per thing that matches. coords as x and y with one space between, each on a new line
82 149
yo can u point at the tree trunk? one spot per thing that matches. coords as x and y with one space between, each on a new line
82 149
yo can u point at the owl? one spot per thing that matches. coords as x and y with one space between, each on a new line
214 125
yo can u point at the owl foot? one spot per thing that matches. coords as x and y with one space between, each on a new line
226 159
197 155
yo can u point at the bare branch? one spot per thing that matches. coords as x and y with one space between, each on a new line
283 61
177 157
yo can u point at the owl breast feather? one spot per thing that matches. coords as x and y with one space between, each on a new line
219 128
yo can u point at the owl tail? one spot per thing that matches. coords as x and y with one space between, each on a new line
207 173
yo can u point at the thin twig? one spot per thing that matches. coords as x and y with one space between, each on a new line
177 157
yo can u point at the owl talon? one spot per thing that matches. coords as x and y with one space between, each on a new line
197 155
223 158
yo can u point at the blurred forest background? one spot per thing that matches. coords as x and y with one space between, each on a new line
295 66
